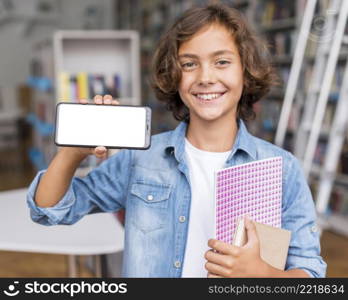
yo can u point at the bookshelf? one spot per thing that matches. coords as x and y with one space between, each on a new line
97 62
9 115
108 54
335 214
10 144
278 23
107 58
40 114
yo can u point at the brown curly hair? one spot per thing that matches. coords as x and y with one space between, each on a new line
259 74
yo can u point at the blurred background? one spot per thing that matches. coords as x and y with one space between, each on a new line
70 49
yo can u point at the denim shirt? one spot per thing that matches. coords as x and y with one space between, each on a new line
154 189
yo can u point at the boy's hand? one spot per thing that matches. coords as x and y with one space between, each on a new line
233 261
99 151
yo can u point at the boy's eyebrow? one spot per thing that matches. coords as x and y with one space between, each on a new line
220 52
216 53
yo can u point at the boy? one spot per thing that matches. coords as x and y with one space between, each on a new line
209 70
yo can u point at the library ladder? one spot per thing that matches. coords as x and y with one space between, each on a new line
324 92
319 87
295 71
316 101
336 139
325 57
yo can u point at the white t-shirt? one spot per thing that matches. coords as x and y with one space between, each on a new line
202 165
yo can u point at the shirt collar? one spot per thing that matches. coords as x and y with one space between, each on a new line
176 142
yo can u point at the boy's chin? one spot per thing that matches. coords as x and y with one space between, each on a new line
213 117
210 118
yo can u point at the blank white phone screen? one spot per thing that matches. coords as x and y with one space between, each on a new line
101 125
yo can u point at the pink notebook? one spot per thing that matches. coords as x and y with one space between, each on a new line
253 189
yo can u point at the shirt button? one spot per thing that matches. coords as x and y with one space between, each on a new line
182 219
314 228
177 264
150 197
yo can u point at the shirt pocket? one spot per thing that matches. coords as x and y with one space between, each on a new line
149 203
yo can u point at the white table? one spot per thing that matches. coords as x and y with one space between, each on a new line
94 234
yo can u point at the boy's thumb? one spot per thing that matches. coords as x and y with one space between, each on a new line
100 150
250 230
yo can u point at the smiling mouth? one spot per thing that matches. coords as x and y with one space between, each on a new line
207 97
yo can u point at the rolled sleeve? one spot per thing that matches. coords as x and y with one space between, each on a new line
102 190
299 216
48 215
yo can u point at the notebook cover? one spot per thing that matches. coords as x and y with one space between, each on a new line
253 189
274 242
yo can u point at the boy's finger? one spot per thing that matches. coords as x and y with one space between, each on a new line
115 102
100 150
107 99
211 275
98 99
251 230
83 101
219 259
224 248
216 269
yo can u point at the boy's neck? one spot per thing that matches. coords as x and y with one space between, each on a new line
216 136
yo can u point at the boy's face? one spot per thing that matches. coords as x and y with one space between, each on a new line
212 74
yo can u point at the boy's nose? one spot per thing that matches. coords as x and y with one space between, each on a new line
206 76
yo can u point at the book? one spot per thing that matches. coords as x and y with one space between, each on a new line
82 85
253 189
73 89
274 242
64 86
98 85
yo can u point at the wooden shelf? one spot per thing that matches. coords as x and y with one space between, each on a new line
9 116
280 25
105 52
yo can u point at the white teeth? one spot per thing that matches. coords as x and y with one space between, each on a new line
208 96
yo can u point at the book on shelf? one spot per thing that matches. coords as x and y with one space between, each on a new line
319 153
73 88
282 43
274 10
83 85
64 86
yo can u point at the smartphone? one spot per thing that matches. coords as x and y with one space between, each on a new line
112 126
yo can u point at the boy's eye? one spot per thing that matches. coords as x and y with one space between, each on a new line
222 62
188 65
